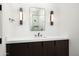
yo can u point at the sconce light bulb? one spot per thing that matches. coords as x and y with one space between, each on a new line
21 14
52 18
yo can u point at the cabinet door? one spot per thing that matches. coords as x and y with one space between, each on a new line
19 49
48 48
35 48
62 48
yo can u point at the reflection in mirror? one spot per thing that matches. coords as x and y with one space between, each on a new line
37 19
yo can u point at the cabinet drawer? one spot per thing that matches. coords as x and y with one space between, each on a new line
62 48
36 48
48 48
20 49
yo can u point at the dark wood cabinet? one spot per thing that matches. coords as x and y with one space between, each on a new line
19 49
62 48
48 48
35 48
44 48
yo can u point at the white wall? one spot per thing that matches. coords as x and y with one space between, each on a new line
69 18
14 30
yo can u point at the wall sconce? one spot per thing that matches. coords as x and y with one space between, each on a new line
21 16
51 18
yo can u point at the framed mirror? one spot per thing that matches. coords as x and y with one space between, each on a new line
37 19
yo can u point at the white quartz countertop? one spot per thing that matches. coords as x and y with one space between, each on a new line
37 39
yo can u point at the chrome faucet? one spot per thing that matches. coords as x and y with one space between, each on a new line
38 35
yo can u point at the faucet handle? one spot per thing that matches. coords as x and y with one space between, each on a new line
41 35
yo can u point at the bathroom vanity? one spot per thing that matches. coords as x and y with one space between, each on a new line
27 29
50 47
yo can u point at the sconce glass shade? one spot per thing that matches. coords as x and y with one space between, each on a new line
21 16
52 18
